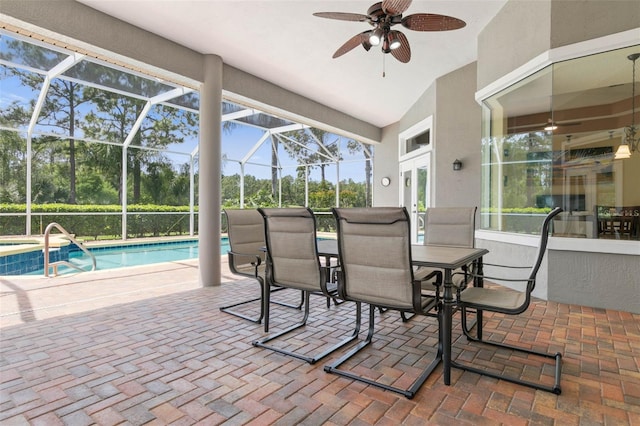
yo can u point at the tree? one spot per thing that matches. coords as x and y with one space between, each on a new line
263 121
61 107
13 167
367 151
113 119
314 148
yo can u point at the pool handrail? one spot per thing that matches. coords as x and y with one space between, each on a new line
47 231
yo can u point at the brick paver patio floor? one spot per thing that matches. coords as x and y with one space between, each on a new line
148 345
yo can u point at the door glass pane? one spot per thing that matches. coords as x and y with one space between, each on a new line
422 198
406 190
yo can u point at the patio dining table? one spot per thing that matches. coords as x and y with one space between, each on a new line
446 258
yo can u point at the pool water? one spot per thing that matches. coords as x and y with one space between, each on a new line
134 255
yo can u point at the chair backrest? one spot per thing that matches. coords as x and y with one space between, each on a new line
292 261
542 247
246 235
374 246
450 226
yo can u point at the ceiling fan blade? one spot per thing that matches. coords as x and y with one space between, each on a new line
395 7
352 43
343 16
432 22
402 53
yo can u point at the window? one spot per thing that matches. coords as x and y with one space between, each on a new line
549 140
416 140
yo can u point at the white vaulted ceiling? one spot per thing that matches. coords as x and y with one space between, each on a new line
282 42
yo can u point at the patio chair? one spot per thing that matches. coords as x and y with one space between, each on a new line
293 262
510 302
246 258
374 247
446 226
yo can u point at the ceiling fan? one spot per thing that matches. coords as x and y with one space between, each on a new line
548 127
384 15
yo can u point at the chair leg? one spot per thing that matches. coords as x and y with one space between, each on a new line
310 359
408 393
288 305
557 357
227 309
265 292
477 323
267 304
404 316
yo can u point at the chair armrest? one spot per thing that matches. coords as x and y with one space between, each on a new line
257 262
505 266
483 277
474 275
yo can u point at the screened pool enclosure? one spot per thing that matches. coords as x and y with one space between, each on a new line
110 152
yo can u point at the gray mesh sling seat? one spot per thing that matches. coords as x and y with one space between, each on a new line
511 302
246 258
293 262
374 247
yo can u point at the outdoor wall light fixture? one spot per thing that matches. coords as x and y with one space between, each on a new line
457 165
630 142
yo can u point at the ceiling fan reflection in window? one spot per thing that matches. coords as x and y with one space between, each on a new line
549 126
384 15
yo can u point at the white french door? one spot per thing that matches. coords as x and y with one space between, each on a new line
415 191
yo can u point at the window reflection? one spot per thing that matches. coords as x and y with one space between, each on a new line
550 141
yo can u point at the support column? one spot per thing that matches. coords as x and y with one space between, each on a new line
210 172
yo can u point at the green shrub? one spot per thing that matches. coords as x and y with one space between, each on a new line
98 221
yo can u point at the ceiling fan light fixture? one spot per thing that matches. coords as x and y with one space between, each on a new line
383 15
376 37
394 41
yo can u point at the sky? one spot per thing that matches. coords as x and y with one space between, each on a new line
235 144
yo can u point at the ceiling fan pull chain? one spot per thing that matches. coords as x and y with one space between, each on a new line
384 74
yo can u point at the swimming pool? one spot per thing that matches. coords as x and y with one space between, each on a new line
119 256
139 254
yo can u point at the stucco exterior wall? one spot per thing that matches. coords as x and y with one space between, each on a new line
602 280
524 29
573 21
457 136
385 164
520 31
421 109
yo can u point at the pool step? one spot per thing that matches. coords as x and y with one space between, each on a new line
48 264
55 265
